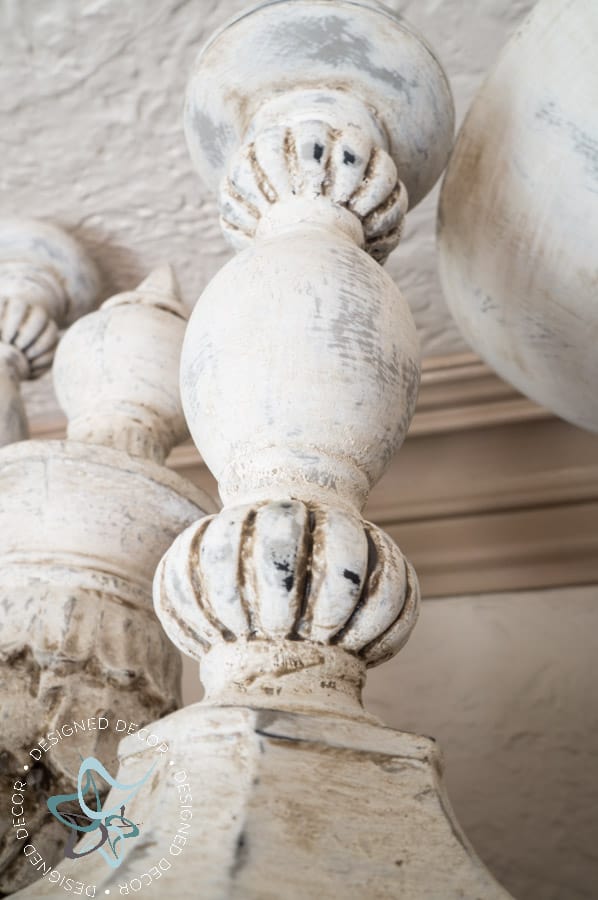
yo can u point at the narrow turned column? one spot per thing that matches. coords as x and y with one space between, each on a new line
46 282
300 365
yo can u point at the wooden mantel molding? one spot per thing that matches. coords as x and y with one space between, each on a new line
457 391
490 491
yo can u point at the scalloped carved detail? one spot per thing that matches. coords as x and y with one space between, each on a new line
29 330
287 570
311 160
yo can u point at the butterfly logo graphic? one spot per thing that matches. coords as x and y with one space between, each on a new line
96 828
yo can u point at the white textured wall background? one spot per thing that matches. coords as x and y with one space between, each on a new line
91 93
507 684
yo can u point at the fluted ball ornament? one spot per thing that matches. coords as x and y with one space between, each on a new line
28 335
310 584
309 160
46 267
46 282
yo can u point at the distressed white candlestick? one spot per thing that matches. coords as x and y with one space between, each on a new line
320 123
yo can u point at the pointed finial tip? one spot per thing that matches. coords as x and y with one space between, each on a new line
160 288
161 280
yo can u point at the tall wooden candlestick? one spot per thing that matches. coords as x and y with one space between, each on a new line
320 124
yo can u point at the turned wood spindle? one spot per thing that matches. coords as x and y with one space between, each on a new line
320 124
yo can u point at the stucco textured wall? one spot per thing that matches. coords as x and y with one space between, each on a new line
507 684
91 93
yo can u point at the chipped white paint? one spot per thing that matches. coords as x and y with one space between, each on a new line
346 362
293 807
46 282
519 213
82 526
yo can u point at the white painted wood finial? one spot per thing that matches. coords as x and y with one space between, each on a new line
125 356
46 282
285 603
300 365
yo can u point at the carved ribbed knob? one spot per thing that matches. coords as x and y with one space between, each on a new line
312 160
30 333
116 370
43 266
287 571
46 282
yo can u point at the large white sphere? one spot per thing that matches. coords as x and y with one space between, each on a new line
518 218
